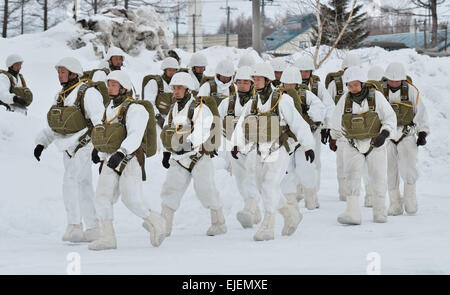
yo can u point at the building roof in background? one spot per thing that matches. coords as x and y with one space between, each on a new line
291 28
408 39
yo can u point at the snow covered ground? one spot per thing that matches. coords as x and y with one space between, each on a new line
32 216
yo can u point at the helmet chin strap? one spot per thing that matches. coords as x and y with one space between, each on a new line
12 72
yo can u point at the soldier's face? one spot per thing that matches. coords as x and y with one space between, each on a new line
354 87
305 74
113 87
63 75
17 66
244 85
224 79
278 75
179 91
289 86
199 70
116 61
260 82
394 84
170 72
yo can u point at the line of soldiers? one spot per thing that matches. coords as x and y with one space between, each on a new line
266 121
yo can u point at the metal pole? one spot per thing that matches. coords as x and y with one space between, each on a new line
425 34
228 26
415 33
193 33
177 36
256 30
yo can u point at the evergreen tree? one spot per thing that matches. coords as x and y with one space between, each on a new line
334 17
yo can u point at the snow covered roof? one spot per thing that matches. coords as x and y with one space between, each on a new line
408 39
291 28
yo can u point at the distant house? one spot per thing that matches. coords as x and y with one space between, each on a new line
406 40
293 35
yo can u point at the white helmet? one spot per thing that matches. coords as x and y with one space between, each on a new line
244 73
375 73
72 64
264 69
305 63
225 68
183 79
291 76
395 71
121 77
354 74
170 63
12 59
278 64
351 60
246 60
198 59
115 51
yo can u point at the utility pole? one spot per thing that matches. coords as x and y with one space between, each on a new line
193 32
425 34
415 34
228 9
256 29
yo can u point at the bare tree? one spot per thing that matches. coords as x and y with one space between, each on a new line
315 6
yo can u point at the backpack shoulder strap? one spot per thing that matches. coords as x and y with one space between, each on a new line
212 87
348 108
274 101
231 105
124 110
404 91
24 84
371 99
339 84
194 104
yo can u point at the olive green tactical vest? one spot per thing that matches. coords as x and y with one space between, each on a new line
164 100
361 126
173 136
403 110
337 78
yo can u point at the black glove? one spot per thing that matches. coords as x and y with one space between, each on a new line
325 135
94 156
309 154
19 100
38 151
381 138
165 160
160 120
115 160
234 152
421 138
332 144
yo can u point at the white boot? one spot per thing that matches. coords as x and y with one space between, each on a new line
352 214
292 200
74 233
292 218
168 214
341 185
311 202
300 192
396 203
155 224
266 230
218 225
107 238
368 197
379 209
410 200
250 214
91 234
